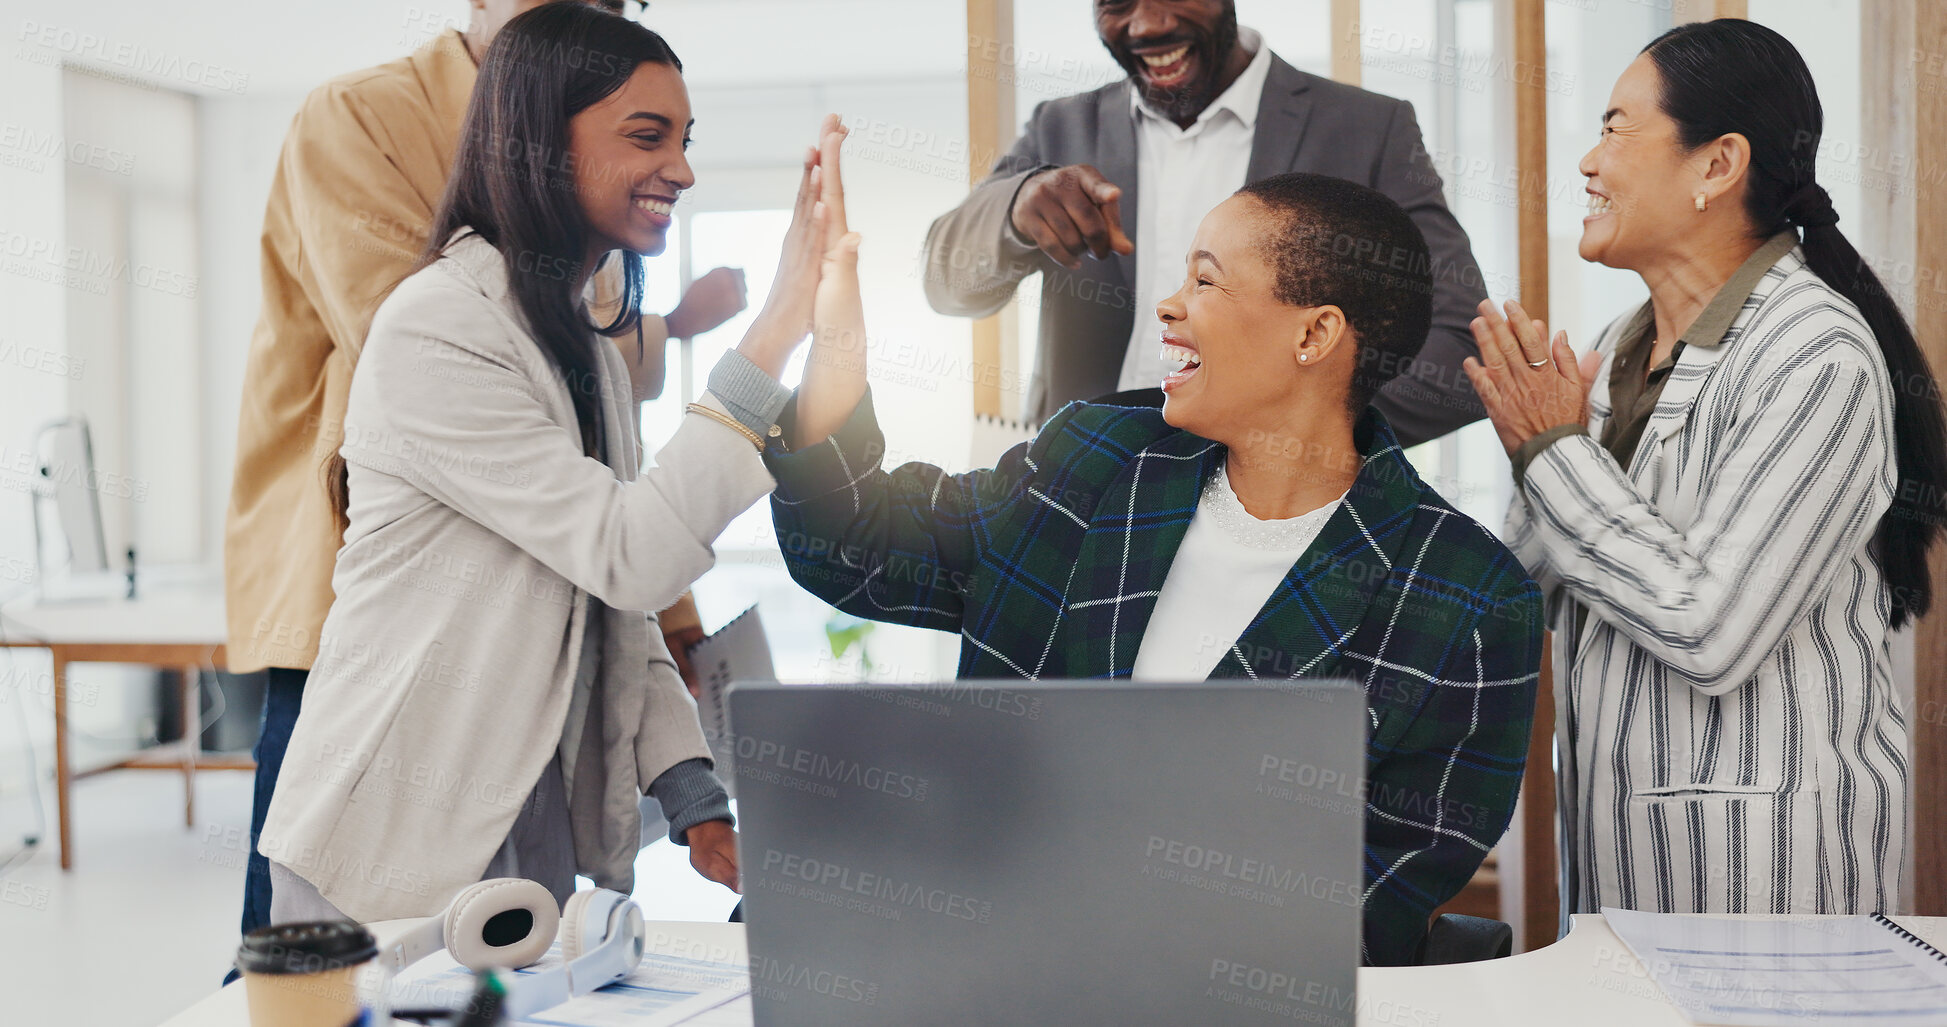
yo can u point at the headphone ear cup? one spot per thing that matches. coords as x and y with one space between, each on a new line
504 924
574 916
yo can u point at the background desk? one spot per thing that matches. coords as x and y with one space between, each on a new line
175 626
1588 978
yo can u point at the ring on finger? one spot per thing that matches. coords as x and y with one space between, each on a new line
1538 364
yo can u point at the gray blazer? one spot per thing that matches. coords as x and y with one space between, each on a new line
447 668
1305 123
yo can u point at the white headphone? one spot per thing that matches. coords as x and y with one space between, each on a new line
507 923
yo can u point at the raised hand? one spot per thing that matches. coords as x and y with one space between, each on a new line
1071 211
785 319
834 379
711 300
838 315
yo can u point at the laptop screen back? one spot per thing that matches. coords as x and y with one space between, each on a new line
1083 853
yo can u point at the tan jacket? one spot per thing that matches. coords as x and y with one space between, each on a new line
478 534
362 170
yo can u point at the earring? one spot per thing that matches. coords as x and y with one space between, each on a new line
1701 203
1302 357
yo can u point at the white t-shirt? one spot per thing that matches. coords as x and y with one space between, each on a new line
1181 173
1228 565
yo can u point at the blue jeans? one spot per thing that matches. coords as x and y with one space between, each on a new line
283 690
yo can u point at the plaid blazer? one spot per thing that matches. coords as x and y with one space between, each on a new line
1049 564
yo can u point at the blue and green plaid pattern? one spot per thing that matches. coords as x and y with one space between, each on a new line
1049 564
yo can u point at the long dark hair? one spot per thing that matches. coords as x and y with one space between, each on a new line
1733 76
513 185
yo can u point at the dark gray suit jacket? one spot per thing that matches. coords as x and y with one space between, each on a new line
1305 123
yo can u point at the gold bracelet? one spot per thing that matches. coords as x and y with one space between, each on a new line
728 421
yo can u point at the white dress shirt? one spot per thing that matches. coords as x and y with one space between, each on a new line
1228 565
1183 172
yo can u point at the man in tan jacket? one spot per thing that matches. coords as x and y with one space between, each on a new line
362 169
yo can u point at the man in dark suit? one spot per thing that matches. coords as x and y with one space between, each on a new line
1103 191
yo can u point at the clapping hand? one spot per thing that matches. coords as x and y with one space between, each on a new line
1527 383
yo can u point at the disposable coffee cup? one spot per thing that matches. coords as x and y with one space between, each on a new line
305 974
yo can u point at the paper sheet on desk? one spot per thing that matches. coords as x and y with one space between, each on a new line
739 651
1782 970
662 992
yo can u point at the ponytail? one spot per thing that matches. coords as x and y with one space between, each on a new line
1919 435
1730 76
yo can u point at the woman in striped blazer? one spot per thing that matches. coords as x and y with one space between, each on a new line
1728 503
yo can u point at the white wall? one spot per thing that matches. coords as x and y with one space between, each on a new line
34 370
239 142
1826 33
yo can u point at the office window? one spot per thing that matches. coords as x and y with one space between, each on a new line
750 239
132 284
662 286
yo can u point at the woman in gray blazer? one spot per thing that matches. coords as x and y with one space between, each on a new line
490 698
1729 504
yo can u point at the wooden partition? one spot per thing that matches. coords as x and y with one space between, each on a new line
990 131
1541 906
1345 41
1919 60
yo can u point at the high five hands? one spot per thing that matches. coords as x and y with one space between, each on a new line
834 375
817 247
785 318
838 315
1528 383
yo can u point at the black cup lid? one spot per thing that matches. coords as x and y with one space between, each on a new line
310 947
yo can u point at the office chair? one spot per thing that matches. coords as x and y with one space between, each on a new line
1454 938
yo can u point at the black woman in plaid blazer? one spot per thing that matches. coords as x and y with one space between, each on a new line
1050 564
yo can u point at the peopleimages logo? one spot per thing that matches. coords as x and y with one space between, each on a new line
762 760
94 268
1242 876
766 972
897 893
134 57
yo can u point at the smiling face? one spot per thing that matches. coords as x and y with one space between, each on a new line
1642 184
1174 50
628 154
1236 343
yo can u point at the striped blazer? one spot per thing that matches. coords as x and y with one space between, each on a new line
1049 565
1729 735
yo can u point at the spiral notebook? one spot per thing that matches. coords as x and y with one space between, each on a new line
1789 970
738 651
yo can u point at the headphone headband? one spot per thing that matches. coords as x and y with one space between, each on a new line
508 923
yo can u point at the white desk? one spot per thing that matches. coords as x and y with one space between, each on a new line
175 623
1589 979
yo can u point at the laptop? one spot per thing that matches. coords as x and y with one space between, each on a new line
1066 852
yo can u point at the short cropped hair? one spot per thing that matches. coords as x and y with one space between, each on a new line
1337 242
